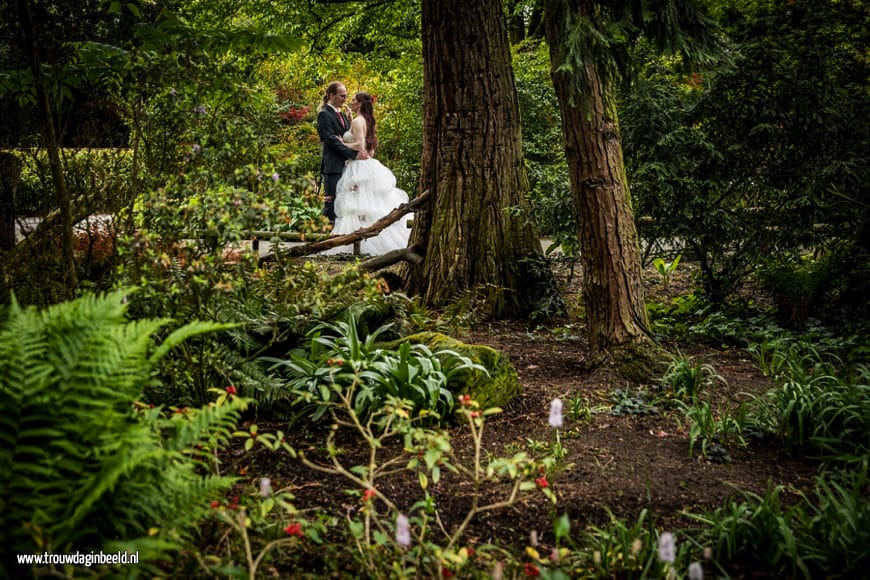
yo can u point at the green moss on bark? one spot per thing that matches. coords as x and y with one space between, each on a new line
640 362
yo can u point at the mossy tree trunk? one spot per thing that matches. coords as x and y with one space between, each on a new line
473 166
610 251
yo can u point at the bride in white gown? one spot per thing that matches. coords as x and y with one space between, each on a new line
367 190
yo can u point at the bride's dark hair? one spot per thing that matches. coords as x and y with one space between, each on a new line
366 109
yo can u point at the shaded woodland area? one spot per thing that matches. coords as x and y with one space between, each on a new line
632 311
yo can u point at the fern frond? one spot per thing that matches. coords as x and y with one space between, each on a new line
83 467
187 331
210 426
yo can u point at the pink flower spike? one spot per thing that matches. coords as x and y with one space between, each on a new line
556 414
667 549
403 531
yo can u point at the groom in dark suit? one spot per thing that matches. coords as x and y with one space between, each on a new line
332 122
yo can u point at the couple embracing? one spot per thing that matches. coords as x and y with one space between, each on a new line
359 190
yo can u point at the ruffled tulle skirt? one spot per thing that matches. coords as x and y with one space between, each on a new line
365 193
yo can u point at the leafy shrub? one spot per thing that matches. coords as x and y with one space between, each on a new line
342 361
832 286
626 402
190 258
763 157
816 409
677 317
821 536
687 377
83 463
387 537
102 175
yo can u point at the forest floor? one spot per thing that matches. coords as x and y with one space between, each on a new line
616 461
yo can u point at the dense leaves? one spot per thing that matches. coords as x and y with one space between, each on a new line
83 462
760 157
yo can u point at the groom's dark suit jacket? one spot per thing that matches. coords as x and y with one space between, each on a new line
334 151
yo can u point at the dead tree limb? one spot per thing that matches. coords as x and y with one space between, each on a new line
394 257
360 234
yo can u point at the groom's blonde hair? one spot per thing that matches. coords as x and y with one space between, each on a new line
331 89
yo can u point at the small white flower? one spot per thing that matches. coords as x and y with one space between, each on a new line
498 571
667 550
556 413
696 572
403 531
265 487
275 177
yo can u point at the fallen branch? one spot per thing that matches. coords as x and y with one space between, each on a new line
361 234
390 258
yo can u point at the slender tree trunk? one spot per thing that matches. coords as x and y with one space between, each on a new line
10 177
53 149
610 251
473 167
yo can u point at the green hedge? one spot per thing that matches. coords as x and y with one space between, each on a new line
104 174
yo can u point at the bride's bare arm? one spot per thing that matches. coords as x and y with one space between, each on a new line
358 129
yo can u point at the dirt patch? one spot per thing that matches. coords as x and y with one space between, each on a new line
616 462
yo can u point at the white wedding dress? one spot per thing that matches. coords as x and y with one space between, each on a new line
365 193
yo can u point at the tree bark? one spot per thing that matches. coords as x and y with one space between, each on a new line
610 251
53 149
10 176
473 166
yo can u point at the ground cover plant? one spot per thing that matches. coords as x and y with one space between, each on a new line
749 456
307 434
704 458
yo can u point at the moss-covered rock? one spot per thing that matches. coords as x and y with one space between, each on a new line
496 390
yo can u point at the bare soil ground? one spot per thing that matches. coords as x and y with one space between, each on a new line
617 463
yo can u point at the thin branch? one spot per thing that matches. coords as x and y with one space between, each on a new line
361 234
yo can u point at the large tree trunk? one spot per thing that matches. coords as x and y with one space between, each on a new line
610 252
473 167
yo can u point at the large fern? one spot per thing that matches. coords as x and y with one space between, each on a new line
79 465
